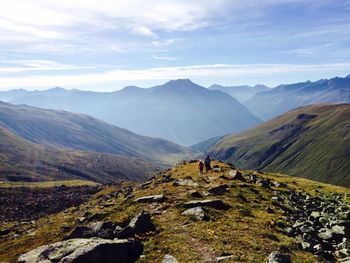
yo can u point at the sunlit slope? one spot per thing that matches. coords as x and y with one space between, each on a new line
313 142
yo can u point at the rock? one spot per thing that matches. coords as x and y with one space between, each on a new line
195 194
169 259
279 257
82 250
196 212
325 234
280 185
344 260
213 203
235 174
305 245
224 258
218 190
264 183
269 210
96 229
139 225
151 199
185 182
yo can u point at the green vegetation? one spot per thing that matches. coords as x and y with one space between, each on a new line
47 184
22 160
311 142
246 230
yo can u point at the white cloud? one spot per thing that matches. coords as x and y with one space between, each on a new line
20 66
163 58
166 73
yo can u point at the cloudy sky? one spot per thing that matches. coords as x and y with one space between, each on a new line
105 45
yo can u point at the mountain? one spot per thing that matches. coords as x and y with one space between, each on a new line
179 110
84 133
180 214
311 142
241 93
22 160
276 101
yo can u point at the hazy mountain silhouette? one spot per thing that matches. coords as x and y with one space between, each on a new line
179 110
271 103
82 132
241 93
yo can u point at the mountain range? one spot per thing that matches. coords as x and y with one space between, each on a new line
311 142
36 133
22 160
275 101
241 93
179 110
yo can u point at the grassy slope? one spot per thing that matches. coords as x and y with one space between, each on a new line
82 132
317 148
21 160
249 237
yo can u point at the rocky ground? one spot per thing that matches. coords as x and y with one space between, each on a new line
22 204
227 215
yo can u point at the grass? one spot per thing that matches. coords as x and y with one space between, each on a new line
244 231
317 149
48 184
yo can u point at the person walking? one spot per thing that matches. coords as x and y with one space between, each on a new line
201 166
207 162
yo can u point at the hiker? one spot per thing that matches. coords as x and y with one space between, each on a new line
207 163
201 166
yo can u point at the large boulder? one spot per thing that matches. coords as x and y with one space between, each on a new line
139 225
96 229
83 250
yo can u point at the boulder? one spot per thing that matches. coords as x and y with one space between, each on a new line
151 199
83 250
96 229
213 203
279 257
218 190
139 225
169 259
227 258
196 212
235 174
195 194
325 234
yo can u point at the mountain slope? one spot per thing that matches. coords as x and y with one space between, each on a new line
243 213
82 132
179 110
311 142
21 160
241 93
278 100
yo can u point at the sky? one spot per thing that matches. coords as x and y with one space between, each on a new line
106 45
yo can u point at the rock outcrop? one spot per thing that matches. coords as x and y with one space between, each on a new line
85 251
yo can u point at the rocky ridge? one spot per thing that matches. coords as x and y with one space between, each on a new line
227 215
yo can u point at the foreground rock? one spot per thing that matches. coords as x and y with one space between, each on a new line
95 229
279 257
151 199
197 213
213 203
85 251
139 225
169 259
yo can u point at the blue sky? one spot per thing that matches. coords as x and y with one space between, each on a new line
106 45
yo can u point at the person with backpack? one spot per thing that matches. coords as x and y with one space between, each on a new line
207 162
